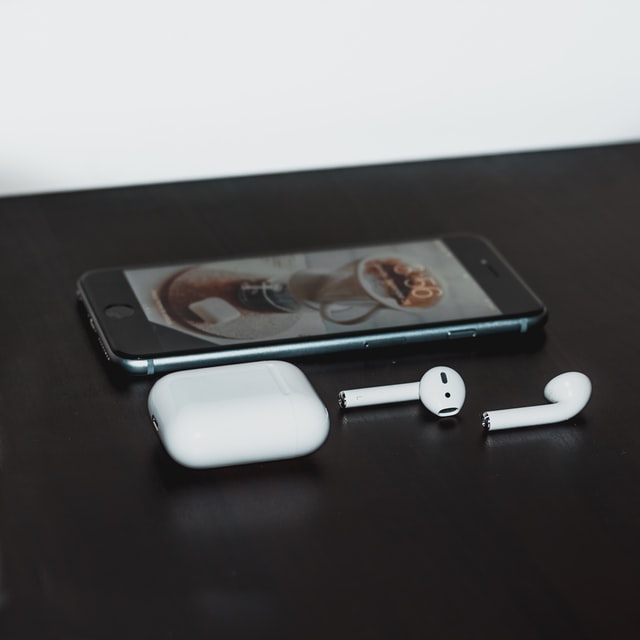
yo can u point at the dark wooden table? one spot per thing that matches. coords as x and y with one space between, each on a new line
399 526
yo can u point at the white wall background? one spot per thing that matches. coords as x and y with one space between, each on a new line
136 91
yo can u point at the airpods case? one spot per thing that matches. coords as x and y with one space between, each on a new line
236 414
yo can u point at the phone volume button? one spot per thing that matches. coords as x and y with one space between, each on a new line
104 349
462 333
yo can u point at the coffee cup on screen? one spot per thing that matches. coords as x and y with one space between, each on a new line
355 291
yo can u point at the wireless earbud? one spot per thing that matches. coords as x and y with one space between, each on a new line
569 393
441 390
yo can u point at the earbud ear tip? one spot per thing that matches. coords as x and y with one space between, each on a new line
442 391
571 382
572 385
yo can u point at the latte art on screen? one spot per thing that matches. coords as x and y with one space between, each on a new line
407 285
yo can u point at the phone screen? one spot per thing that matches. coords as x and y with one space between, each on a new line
319 293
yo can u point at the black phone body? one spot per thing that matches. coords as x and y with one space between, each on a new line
164 318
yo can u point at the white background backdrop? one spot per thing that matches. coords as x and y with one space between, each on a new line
136 91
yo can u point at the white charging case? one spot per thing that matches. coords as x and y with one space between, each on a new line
237 414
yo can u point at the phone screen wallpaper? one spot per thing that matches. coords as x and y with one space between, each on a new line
312 294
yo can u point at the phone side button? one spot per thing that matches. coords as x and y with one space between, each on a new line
385 342
462 333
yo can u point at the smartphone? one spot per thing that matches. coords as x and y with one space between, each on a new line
162 318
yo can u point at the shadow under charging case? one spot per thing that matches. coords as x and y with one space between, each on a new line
236 414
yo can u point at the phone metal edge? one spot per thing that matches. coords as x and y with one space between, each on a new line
333 345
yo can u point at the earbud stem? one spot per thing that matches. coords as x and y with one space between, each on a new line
379 395
524 417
